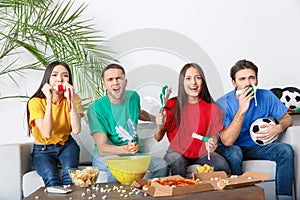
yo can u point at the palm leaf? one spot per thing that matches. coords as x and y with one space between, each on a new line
48 32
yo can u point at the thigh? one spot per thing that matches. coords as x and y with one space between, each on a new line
157 163
234 157
230 152
172 156
177 162
45 161
69 155
215 159
270 151
100 161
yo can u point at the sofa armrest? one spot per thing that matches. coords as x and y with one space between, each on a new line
292 136
15 161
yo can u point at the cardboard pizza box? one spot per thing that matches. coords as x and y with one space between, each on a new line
220 180
157 190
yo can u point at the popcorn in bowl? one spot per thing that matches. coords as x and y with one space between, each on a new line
84 177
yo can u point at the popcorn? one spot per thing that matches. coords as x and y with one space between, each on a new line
234 176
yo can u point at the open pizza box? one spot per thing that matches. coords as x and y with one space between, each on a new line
155 189
220 180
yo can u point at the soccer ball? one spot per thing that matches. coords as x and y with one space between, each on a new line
291 99
256 127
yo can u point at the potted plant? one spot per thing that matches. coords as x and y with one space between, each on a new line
48 30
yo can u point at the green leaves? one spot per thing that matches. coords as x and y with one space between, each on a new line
51 31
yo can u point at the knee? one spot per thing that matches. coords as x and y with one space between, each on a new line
231 153
51 179
286 151
99 164
173 157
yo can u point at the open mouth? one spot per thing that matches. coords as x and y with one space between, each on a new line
116 89
193 89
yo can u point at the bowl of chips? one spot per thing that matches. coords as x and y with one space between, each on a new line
127 169
204 168
84 177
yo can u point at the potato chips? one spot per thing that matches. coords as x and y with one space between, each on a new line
205 168
85 177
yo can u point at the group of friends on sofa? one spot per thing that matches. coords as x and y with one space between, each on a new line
55 110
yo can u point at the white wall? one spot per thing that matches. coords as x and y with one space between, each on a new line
153 39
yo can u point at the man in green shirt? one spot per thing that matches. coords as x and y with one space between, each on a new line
108 117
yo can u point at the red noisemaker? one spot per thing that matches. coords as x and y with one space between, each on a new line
58 88
61 88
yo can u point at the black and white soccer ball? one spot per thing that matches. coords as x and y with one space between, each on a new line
291 99
289 96
256 127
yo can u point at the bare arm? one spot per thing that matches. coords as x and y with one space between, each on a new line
270 131
284 122
145 116
230 134
45 124
108 149
74 115
75 120
160 122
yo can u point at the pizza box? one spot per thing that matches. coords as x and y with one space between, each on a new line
157 190
220 180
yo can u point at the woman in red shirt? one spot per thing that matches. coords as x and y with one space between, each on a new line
192 111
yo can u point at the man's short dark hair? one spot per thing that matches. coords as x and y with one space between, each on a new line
242 64
112 66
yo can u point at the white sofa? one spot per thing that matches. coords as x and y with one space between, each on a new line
20 180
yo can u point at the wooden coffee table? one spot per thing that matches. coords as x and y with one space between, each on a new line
242 193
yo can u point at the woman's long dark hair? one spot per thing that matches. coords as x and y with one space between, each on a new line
46 79
182 96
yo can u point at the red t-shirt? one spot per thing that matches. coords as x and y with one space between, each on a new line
202 118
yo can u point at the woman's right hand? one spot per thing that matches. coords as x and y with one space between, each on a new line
47 90
160 123
160 119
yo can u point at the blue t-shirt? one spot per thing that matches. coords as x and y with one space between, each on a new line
111 119
268 105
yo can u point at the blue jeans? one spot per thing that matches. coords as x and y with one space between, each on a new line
179 163
158 167
281 153
46 157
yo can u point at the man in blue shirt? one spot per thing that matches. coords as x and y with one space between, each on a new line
241 107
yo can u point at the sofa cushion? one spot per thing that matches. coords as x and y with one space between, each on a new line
31 181
264 166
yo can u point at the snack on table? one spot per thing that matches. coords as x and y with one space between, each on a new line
176 182
205 168
85 177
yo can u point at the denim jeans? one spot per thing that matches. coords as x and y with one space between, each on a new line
45 159
178 163
158 167
281 153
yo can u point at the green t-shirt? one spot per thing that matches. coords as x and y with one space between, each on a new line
108 118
